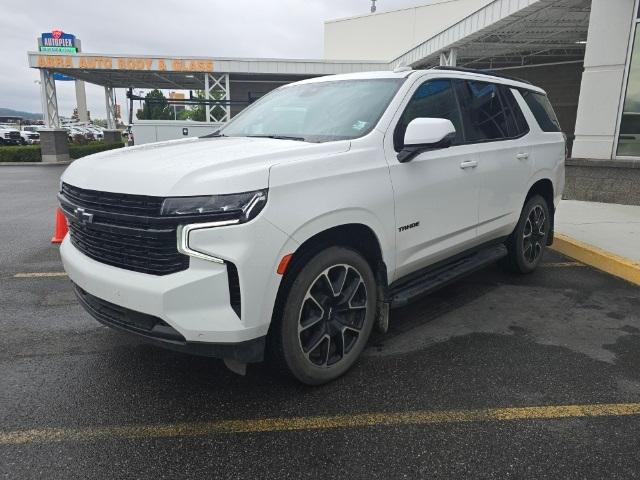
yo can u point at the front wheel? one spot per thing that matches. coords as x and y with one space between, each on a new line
527 242
327 317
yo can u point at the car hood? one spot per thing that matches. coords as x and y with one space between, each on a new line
194 166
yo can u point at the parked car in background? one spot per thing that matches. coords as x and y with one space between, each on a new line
9 135
28 137
77 131
96 131
292 231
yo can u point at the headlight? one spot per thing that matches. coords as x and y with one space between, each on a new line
240 206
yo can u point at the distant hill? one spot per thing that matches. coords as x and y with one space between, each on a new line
8 112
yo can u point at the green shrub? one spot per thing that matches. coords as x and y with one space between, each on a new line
20 153
77 151
31 153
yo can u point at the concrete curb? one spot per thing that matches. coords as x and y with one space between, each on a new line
33 164
601 259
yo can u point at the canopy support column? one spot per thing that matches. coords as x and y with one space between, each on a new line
216 87
449 58
54 141
111 135
110 103
49 99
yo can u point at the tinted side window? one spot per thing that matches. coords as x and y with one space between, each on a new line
482 112
543 111
517 123
433 99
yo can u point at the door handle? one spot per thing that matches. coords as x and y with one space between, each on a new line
522 156
469 164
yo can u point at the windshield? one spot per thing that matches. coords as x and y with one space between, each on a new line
317 112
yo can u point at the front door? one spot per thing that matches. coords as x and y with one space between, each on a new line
436 193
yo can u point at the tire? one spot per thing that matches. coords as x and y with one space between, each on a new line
327 317
526 244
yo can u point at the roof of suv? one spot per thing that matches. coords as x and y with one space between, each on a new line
406 72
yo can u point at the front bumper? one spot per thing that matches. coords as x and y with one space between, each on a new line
196 302
160 333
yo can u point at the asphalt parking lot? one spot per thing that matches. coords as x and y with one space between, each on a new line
445 394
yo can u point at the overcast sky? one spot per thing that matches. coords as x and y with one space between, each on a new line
234 28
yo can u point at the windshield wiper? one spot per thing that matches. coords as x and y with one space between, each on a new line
279 137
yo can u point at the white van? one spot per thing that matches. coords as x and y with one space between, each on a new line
293 230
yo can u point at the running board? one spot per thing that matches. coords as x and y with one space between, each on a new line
432 278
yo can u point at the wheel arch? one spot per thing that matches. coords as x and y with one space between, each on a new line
357 236
544 188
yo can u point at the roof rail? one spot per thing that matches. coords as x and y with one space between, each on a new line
482 72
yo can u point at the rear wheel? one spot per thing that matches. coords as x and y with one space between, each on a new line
327 317
529 239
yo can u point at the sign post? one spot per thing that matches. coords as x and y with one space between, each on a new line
62 42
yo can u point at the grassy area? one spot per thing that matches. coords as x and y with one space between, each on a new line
31 153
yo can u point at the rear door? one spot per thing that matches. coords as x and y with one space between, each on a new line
495 124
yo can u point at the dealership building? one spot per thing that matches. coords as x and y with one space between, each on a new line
584 53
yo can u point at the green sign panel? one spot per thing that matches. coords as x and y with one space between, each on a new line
58 49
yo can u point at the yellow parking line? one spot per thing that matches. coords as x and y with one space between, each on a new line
40 274
424 417
562 264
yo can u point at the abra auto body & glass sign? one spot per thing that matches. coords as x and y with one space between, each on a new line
95 62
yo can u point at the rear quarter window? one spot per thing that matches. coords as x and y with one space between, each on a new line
542 110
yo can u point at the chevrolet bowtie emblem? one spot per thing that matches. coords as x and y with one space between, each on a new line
82 216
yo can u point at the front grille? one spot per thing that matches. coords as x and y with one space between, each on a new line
113 202
125 231
146 251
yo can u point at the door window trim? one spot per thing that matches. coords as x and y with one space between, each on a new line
454 81
411 93
491 140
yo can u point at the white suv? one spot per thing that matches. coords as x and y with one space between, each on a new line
292 231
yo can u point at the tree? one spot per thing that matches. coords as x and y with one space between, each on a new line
198 113
155 107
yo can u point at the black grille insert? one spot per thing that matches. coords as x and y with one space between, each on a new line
122 230
113 202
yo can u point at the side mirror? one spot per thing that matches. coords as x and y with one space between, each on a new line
425 134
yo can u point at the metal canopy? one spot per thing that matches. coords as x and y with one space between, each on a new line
508 33
186 73
503 34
